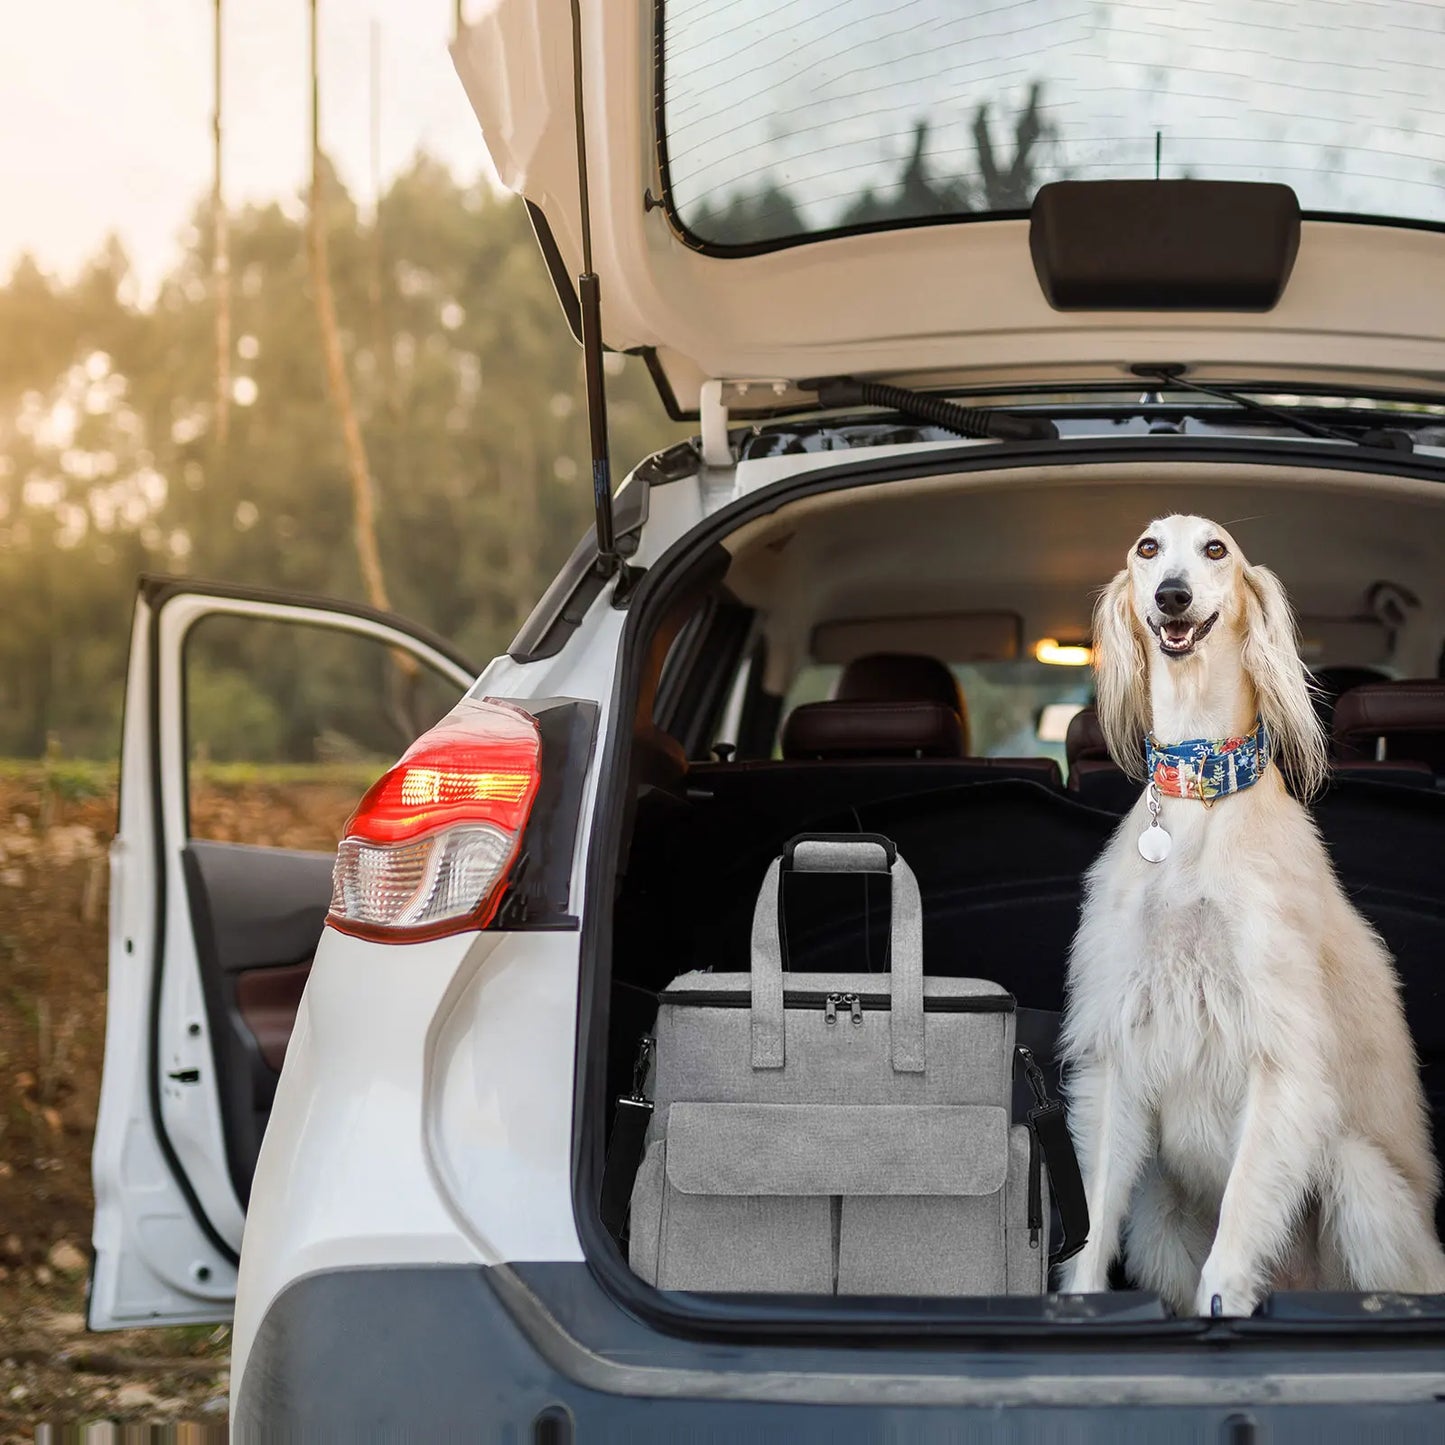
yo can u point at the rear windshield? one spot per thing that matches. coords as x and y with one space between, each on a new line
786 118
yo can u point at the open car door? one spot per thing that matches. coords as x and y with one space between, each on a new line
254 721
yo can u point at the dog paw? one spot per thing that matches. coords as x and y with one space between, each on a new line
1084 1275
1224 1292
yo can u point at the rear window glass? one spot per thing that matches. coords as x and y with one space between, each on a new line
1015 709
783 118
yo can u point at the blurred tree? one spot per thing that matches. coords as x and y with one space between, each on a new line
764 209
1011 187
748 215
915 194
472 418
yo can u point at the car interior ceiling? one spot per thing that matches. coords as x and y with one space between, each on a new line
890 583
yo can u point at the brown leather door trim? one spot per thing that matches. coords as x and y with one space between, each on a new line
267 1000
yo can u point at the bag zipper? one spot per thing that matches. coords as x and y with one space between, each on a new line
988 1003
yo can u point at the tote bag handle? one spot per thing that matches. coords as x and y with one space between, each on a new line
841 853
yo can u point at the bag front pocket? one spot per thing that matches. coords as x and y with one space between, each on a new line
748 1201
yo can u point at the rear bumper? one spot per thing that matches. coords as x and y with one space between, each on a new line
492 1353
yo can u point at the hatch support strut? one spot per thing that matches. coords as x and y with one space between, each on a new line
609 558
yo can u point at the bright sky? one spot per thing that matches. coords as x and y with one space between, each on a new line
105 113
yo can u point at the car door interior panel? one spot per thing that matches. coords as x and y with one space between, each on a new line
258 914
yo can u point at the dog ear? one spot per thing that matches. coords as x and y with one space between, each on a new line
1282 683
1121 669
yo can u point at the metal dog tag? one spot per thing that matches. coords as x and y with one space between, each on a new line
1154 842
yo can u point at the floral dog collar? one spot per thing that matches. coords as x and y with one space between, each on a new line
1202 768
1208 768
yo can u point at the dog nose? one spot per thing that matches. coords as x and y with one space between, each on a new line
1173 597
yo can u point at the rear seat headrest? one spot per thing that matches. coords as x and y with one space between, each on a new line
873 730
903 677
1409 716
1331 683
1084 741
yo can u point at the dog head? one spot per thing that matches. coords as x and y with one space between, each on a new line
1188 602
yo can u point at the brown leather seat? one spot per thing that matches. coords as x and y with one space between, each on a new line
1093 774
903 677
885 705
1084 741
1394 722
1332 683
892 706
841 729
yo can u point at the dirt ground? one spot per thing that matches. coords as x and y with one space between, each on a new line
55 827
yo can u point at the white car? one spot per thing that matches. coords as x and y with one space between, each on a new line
944 365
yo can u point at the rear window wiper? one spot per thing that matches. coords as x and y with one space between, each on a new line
837 392
1388 438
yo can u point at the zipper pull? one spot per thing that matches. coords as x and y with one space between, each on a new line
1035 1075
645 1047
855 1007
830 1008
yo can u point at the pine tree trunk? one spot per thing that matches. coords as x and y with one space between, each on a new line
368 554
221 268
404 674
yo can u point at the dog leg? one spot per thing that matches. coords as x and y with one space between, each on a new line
1111 1132
1265 1194
1378 1233
1166 1240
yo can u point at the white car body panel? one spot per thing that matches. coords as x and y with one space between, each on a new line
424 1113
924 305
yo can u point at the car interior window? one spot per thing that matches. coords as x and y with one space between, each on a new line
287 724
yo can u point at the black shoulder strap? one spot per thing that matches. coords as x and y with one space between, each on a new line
624 1157
625 1147
1051 1130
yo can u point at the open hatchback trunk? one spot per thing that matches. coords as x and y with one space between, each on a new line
745 644
786 208
778 194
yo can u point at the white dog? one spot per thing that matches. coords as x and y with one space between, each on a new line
1243 1088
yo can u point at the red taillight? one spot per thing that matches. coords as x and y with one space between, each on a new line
429 847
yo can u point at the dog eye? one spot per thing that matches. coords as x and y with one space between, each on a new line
1215 551
1148 548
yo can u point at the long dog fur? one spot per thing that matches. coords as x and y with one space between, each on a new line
1243 1088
